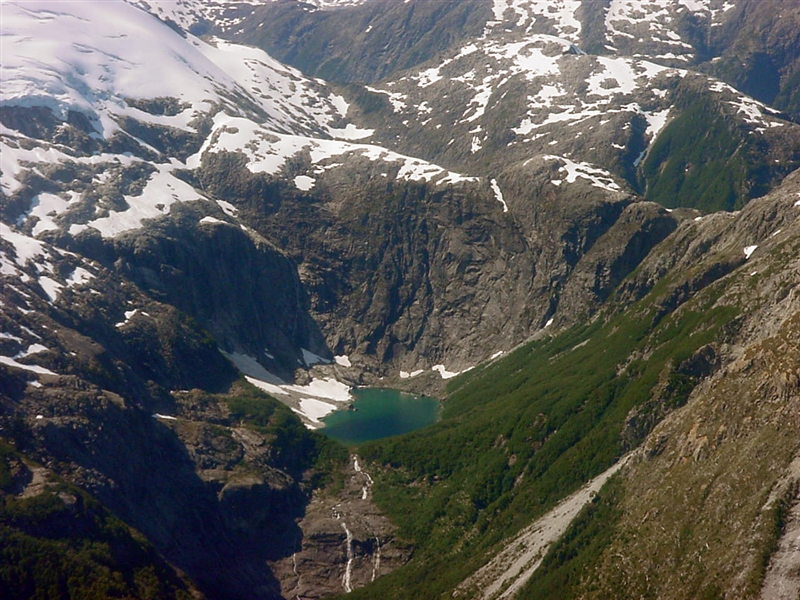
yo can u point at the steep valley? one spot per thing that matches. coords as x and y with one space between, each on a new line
574 222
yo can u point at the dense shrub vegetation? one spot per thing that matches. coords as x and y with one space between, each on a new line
61 543
521 433
565 566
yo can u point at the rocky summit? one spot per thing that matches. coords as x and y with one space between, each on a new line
574 222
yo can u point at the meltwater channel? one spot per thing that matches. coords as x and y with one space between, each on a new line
378 413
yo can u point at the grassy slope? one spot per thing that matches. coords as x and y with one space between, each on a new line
703 512
699 162
523 432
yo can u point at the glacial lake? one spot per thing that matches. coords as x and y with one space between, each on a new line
380 413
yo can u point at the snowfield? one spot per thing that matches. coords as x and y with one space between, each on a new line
54 58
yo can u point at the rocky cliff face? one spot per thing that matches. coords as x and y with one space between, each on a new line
240 287
364 43
450 270
130 400
396 269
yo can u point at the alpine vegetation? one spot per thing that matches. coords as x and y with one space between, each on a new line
239 239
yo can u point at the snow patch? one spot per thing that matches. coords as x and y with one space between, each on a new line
26 248
228 208
350 132
498 194
269 388
44 208
445 374
596 176
164 417
212 221
343 360
412 374
397 100
78 277
314 410
6 360
32 349
304 182
616 77
429 76
655 123
327 388
129 314
51 287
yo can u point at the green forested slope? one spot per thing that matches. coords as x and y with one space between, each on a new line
520 434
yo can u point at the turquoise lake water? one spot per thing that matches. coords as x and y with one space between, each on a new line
380 413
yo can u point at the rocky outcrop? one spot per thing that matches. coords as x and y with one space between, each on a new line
130 400
404 275
345 542
360 43
240 287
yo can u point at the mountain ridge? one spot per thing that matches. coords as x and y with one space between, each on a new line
296 238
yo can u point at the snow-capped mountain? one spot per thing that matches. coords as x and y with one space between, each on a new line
621 24
533 72
96 146
98 155
485 172
501 99
122 87
56 59
224 15
724 39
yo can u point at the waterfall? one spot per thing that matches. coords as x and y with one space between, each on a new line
348 571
